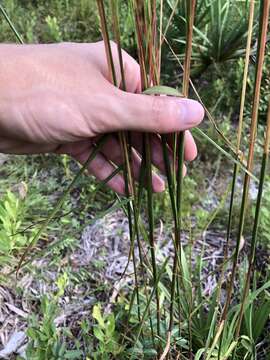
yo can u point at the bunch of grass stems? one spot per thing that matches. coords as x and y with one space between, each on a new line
150 37
149 55
149 45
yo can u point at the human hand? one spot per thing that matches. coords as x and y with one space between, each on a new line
58 98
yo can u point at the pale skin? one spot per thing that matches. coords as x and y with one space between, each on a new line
58 98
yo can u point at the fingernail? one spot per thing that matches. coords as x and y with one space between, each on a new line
191 112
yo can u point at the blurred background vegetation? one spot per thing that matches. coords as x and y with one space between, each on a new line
29 186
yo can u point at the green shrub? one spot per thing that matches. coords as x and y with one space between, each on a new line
46 340
11 217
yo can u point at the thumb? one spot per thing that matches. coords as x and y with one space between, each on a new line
162 114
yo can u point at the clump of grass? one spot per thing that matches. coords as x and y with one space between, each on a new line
146 28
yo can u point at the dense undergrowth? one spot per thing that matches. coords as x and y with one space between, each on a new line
76 309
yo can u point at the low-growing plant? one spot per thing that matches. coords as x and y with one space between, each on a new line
46 340
11 218
53 29
106 335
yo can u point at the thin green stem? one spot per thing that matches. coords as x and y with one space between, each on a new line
18 36
256 97
256 223
123 137
239 137
148 159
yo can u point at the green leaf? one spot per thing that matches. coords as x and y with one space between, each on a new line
73 354
247 343
97 315
99 334
199 354
186 274
259 319
110 325
162 90
10 210
32 333
152 353
5 243
230 350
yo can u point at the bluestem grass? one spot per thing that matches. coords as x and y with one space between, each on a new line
126 150
146 22
239 137
253 129
254 238
179 177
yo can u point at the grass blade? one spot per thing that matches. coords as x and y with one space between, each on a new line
4 13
